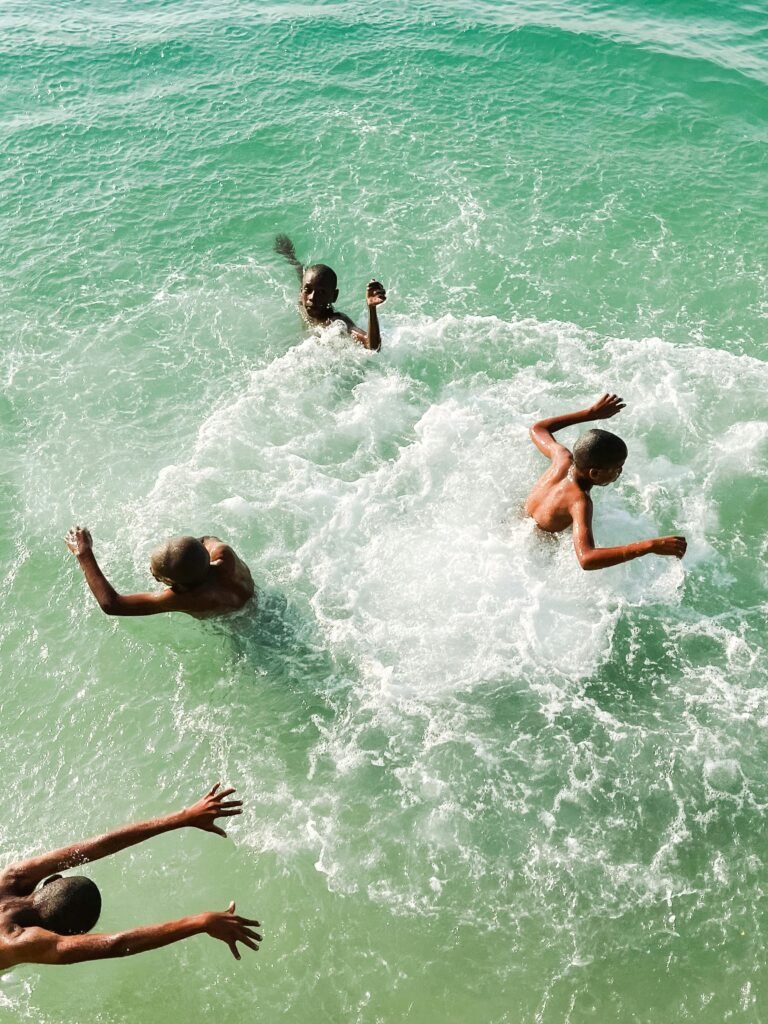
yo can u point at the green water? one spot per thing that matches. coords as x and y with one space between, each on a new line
480 784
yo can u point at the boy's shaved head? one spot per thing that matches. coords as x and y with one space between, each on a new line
67 906
182 560
599 449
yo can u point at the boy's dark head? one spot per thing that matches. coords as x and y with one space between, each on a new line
67 906
600 455
181 562
318 289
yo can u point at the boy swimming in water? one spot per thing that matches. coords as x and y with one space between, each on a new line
204 577
319 291
561 496
48 925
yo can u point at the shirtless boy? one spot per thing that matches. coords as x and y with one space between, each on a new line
319 292
561 496
47 925
204 577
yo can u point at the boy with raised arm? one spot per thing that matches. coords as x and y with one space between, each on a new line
319 291
203 576
561 496
47 925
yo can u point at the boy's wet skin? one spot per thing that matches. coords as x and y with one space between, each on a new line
319 291
48 925
203 575
561 496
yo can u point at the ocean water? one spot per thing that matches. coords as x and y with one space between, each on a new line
480 784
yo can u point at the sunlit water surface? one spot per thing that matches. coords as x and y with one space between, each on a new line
480 784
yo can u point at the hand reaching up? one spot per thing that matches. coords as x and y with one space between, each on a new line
605 407
375 293
228 927
79 540
213 805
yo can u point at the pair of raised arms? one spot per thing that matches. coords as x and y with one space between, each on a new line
37 945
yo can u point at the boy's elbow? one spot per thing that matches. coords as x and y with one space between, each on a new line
587 560
119 945
110 605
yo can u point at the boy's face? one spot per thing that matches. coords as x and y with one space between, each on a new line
317 293
603 477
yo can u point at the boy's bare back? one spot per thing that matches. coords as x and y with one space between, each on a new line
554 496
230 585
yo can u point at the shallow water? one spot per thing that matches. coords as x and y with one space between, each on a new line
478 781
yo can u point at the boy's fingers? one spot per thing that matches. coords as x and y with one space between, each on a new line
213 789
226 792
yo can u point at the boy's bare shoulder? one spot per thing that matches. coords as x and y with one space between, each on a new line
562 460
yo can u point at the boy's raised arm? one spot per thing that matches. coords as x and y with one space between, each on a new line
591 557
38 946
542 432
284 247
25 875
80 543
370 339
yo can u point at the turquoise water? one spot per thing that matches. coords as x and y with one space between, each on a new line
479 783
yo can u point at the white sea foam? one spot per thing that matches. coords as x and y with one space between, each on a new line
395 507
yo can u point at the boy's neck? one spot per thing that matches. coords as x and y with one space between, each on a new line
581 478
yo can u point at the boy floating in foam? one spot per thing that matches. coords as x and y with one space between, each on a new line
319 292
203 575
48 925
561 496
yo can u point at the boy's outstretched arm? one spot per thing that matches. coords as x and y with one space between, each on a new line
284 247
541 433
25 875
591 557
80 543
39 946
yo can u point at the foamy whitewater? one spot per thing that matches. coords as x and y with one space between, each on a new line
479 783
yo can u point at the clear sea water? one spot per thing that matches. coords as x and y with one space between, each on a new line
480 784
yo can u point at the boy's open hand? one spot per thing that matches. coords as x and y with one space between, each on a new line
375 294
228 927
79 540
675 546
213 805
605 407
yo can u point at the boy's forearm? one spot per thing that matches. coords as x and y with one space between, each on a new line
101 588
569 419
374 335
140 940
604 558
77 949
37 868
